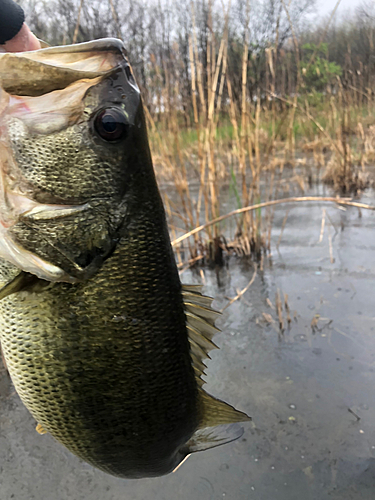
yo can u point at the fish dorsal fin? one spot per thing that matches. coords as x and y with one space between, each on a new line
200 319
200 323
192 288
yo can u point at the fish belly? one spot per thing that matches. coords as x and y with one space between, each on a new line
105 367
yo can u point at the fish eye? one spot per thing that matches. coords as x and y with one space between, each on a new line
111 124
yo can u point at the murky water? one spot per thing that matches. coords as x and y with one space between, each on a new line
310 389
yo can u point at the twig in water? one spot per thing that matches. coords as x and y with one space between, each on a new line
322 227
279 313
242 291
330 246
353 413
190 262
340 201
201 272
268 318
332 224
282 229
286 305
270 303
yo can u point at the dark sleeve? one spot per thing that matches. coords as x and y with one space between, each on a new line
12 18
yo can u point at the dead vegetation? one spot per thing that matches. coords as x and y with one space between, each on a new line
253 150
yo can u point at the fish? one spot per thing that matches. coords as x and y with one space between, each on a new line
105 347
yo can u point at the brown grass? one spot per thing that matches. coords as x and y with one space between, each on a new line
261 148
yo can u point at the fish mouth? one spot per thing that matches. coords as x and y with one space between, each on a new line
58 240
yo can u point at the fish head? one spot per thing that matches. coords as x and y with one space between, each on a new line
72 141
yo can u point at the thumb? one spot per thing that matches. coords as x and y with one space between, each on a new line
23 41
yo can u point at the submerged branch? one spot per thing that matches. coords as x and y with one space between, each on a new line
337 200
239 295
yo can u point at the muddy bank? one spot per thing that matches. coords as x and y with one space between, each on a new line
310 389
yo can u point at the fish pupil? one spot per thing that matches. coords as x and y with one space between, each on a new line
111 124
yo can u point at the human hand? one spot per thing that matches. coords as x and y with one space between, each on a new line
15 36
23 41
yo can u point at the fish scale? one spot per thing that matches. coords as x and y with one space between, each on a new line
91 369
104 345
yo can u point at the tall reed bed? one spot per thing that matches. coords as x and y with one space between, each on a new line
212 133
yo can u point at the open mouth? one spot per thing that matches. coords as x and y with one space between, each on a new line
52 239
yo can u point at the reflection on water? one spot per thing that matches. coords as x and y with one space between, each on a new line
310 388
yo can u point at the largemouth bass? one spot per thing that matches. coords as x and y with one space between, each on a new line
104 345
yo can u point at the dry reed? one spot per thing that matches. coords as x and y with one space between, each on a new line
261 144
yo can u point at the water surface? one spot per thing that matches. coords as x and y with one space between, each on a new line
310 388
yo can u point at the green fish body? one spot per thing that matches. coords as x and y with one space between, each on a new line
104 345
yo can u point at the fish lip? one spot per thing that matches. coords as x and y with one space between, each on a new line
46 212
101 44
104 55
104 45
19 206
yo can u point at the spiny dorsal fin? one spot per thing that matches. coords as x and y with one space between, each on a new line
200 319
207 313
205 343
201 324
197 298
192 288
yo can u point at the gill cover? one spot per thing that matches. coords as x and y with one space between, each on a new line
59 213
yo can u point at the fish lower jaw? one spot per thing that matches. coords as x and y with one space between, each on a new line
19 207
29 262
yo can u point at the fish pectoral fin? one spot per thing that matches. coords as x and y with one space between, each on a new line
210 437
40 429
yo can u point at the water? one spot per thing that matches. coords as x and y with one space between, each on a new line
309 389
